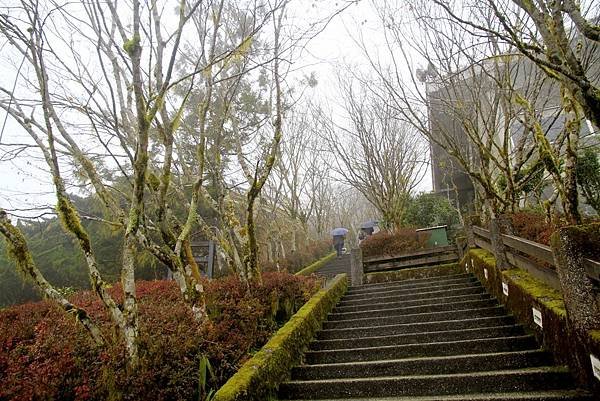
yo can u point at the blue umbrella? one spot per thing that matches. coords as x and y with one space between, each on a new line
339 231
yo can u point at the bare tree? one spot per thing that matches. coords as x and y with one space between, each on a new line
473 101
121 100
377 153
560 38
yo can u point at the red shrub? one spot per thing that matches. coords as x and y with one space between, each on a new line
532 226
45 354
394 242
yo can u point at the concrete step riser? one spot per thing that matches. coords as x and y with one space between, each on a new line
425 366
416 318
414 280
415 328
418 302
415 286
427 385
411 291
554 395
482 303
488 345
424 295
454 335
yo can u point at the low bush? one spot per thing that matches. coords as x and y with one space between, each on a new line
533 226
394 242
300 258
45 354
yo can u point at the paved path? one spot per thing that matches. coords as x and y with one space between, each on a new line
435 339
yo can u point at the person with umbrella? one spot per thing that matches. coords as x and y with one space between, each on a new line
367 229
339 235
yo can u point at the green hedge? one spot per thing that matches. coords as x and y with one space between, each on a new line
316 265
258 378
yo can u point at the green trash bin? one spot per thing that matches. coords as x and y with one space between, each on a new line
438 237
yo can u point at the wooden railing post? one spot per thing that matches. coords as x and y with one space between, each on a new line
356 266
470 221
498 248
461 243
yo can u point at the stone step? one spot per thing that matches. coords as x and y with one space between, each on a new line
472 289
466 283
416 318
554 395
394 329
408 310
425 366
412 280
414 338
440 348
368 289
517 380
334 271
407 303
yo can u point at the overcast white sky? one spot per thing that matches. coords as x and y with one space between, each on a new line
24 182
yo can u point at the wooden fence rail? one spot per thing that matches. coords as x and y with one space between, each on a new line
422 257
536 258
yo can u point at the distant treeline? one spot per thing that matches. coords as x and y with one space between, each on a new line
60 258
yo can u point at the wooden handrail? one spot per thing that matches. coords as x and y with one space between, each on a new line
534 249
420 252
531 248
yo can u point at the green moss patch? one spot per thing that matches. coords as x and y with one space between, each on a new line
542 293
595 335
414 273
316 265
258 378
539 291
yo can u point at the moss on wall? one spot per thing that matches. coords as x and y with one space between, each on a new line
414 273
258 378
526 292
316 265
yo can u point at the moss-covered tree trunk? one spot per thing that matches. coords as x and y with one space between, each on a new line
570 246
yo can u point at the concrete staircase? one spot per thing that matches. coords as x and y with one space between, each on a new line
335 267
440 338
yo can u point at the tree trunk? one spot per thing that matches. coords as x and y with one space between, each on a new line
570 246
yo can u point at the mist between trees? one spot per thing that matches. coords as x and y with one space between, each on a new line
177 120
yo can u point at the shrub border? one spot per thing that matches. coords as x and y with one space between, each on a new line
313 267
259 378
525 292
